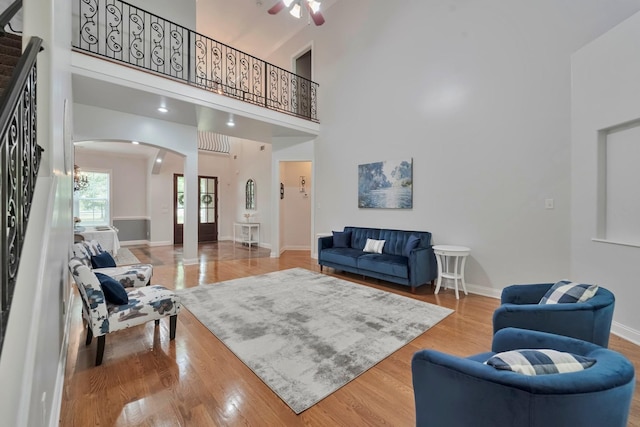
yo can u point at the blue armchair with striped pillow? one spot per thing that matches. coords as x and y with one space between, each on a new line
479 391
543 307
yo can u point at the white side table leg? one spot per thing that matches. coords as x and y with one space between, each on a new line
456 261
464 285
439 281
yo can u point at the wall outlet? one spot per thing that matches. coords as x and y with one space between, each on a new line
548 203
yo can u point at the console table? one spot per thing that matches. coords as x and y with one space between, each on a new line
247 233
447 255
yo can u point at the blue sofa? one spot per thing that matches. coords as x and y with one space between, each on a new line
587 321
414 270
465 392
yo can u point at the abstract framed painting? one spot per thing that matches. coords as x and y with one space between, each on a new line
386 185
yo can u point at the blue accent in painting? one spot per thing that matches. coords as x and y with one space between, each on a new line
387 184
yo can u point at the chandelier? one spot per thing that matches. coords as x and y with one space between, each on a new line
80 180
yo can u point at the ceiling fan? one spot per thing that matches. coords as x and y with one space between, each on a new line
295 9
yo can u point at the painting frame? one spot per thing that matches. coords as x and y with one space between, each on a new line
386 184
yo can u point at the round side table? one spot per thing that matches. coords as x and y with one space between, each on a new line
451 257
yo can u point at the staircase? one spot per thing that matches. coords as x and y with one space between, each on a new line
20 156
10 52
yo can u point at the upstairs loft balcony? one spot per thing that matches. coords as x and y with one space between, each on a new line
121 32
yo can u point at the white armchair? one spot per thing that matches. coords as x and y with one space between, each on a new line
102 317
130 276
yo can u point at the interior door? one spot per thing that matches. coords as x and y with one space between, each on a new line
207 208
303 68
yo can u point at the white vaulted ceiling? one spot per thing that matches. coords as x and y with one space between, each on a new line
246 25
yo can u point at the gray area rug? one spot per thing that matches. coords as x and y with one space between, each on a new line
307 334
125 257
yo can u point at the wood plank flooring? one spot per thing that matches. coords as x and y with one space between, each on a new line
146 380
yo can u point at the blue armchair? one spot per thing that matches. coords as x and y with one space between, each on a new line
589 321
455 391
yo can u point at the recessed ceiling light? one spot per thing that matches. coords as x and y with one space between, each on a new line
230 122
135 142
158 160
163 109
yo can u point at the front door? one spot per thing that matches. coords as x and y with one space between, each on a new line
207 208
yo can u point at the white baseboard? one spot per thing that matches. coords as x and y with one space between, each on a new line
160 243
56 401
133 242
295 248
625 332
484 291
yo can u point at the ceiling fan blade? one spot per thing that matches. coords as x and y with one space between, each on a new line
317 17
276 8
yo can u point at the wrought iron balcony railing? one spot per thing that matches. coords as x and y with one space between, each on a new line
125 33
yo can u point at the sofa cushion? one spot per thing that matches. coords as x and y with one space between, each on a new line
412 243
392 265
374 246
343 256
568 292
539 362
113 291
102 260
341 239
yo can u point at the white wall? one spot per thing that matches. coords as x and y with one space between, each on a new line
284 150
34 349
128 180
295 208
221 166
606 93
478 94
217 165
96 124
161 204
250 161
184 15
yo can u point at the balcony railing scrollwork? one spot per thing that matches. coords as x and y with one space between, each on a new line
122 32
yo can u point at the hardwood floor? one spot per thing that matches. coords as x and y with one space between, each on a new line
146 380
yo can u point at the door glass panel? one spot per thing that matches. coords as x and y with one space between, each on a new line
207 200
180 200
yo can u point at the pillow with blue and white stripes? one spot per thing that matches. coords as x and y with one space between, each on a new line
539 362
567 292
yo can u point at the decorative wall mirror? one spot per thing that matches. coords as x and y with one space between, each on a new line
250 195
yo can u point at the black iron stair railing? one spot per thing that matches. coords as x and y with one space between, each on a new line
19 163
122 32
